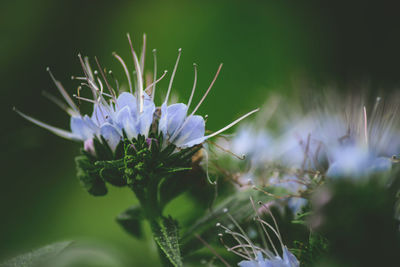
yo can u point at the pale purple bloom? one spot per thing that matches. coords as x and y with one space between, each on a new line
288 260
130 113
356 162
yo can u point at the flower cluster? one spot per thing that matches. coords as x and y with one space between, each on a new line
118 115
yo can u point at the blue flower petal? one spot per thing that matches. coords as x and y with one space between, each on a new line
289 259
146 118
172 118
111 135
126 99
192 132
101 114
84 127
126 121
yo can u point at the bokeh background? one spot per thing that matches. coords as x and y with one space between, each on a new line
266 46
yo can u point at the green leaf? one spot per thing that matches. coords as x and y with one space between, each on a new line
131 221
166 236
36 257
89 176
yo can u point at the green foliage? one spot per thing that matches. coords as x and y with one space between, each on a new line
310 253
131 221
165 233
37 257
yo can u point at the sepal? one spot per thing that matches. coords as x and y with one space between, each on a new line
89 176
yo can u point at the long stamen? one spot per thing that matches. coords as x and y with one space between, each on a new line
154 83
139 76
207 174
208 90
62 91
110 89
59 103
236 236
173 75
272 229
142 56
128 76
263 228
232 124
365 126
57 131
242 231
247 257
278 234
89 77
85 99
194 85
155 74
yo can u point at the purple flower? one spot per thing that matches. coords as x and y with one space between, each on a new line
130 113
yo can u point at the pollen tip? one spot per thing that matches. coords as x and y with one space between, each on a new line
180 50
47 68
218 225
154 50
194 64
259 203
14 108
225 210
220 235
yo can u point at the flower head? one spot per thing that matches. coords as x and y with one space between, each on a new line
117 115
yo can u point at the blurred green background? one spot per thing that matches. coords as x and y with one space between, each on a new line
266 46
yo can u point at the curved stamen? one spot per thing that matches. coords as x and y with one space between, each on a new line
57 131
208 90
194 85
173 75
154 83
110 89
232 124
143 54
263 227
59 103
140 95
128 76
155 74
62 91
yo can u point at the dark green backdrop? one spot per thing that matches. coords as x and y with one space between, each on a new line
265 46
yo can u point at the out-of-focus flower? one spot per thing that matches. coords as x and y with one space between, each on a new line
254 255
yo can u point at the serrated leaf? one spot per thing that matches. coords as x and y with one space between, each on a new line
131 221
166 236
36 257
